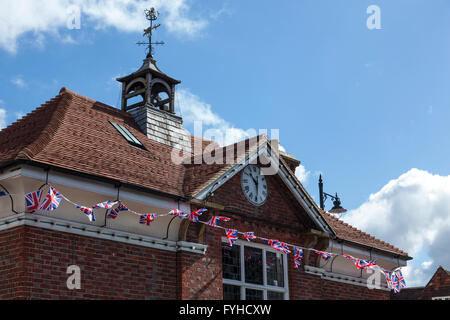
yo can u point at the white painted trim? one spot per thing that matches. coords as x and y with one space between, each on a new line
338 277
264 287
375 253
60 225
106 189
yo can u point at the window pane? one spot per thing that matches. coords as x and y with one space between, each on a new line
252 294
231 292
272 295
231 262
253 265
274 268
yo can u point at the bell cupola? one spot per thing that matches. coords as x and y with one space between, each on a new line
149 95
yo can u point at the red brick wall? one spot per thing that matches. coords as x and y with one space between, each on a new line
12 284
279 218
439 286
33 261
109 270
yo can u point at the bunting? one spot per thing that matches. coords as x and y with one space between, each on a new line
214 221
394 280
298 257
89 212
52 200
32 200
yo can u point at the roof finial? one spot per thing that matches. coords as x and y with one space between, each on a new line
151 15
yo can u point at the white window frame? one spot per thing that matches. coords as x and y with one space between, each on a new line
264 287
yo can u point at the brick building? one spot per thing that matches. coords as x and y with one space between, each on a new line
91 152
438 288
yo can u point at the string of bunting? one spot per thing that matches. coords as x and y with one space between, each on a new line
394 279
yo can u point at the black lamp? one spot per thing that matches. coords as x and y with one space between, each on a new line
337 208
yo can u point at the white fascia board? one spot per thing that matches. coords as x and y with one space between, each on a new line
282 172
106 189
375 254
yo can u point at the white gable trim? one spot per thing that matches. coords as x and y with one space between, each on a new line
264 150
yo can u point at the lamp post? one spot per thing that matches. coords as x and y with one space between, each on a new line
337 209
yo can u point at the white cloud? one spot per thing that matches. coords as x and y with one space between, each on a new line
50 17
302 174
19 82
2 118
193 109
411 212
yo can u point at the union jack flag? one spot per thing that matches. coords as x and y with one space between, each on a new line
325 255
214 221
232 236
88 211
193 216
32 200
387 275
364 264
105 205
249 236
401 280
298 257
349 257
177 213
395 283
115 212
147 218
52 200
277 245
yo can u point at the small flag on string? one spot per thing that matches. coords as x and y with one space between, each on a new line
325 255
364 264
298 257
89 212
395 283
214 221
388 277
349 257
249 236
277 245
401 280
147 218
105 205
177 213
52 200
3 193
32 200
115 212
232 236
193 216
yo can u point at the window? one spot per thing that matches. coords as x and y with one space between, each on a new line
253 271
127 135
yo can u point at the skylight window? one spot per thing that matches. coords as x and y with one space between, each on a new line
127 135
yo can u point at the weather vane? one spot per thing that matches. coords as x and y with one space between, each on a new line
151 15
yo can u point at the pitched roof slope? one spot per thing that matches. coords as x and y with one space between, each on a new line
347 232
73 132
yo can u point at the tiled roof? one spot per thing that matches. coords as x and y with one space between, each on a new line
347 232
73 132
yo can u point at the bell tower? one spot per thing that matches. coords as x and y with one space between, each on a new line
149 95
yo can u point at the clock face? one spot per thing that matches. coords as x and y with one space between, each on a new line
254 185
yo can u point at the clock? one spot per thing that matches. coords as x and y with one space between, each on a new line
254 185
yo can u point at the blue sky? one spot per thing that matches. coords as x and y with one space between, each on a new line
363 107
